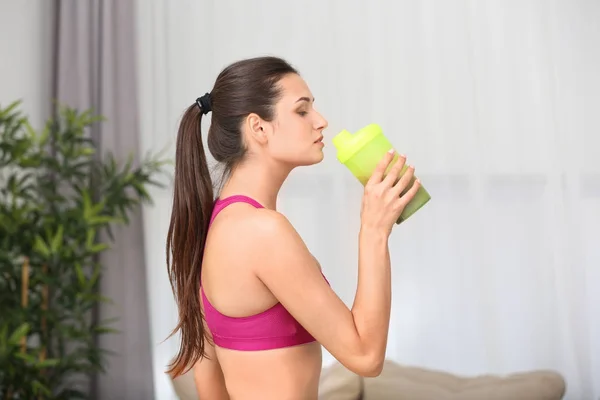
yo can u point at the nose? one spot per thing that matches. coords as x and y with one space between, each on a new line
321 122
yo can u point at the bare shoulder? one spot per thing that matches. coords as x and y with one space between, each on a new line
257 232
272 230
267 223
263 239
242 219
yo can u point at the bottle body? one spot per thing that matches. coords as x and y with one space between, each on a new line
361 152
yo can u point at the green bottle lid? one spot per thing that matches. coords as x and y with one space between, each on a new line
348 144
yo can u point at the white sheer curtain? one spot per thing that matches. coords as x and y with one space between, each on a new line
496 103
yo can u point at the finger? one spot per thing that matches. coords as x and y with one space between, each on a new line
395 171
410 194
382 165
404 181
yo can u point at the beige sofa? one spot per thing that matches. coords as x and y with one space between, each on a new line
398 382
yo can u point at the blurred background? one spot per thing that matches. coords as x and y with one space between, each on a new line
496 103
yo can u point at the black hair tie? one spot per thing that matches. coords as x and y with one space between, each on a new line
204 103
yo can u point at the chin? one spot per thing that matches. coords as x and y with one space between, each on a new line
317 158
313 158
320 158
308 163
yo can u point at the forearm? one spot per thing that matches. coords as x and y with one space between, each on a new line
372 304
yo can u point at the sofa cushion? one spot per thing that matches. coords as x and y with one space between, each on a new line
338 383
402 383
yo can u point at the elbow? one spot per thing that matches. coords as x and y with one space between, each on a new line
372 370
369 366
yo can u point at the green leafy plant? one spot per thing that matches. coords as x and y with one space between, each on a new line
57 197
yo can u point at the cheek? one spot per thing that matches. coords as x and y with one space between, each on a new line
286 143
289 146
291 138
293 132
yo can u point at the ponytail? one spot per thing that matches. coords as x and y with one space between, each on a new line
193 203
244 87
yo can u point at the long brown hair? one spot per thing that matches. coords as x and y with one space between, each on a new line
245 87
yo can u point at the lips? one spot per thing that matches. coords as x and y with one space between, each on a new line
320 139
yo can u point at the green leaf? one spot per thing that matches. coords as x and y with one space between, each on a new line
18 333
30 131
98 207
43 138
87 203
108 321
80 274
11 109
95 275
141 190
98 247
57 239
90 237
27 358
102 220
87 151
99 299
40 389
48 363
41 247
104 330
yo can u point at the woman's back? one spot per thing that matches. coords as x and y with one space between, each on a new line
263 351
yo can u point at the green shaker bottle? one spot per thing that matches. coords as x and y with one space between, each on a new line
361 152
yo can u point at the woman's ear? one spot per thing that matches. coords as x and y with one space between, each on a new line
257 128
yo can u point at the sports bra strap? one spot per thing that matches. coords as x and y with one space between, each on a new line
220 204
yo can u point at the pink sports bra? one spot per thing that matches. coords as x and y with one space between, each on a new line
271 329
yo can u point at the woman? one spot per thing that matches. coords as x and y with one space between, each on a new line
254 307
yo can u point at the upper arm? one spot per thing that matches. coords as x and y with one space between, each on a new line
292 274
208 375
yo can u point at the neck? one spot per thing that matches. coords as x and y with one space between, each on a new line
259 181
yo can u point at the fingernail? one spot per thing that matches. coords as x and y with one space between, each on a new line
391 151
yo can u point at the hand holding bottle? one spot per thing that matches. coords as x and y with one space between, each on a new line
383 199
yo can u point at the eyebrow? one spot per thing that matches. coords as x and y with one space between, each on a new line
304 99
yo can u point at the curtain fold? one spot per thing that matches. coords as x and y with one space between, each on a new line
95 67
